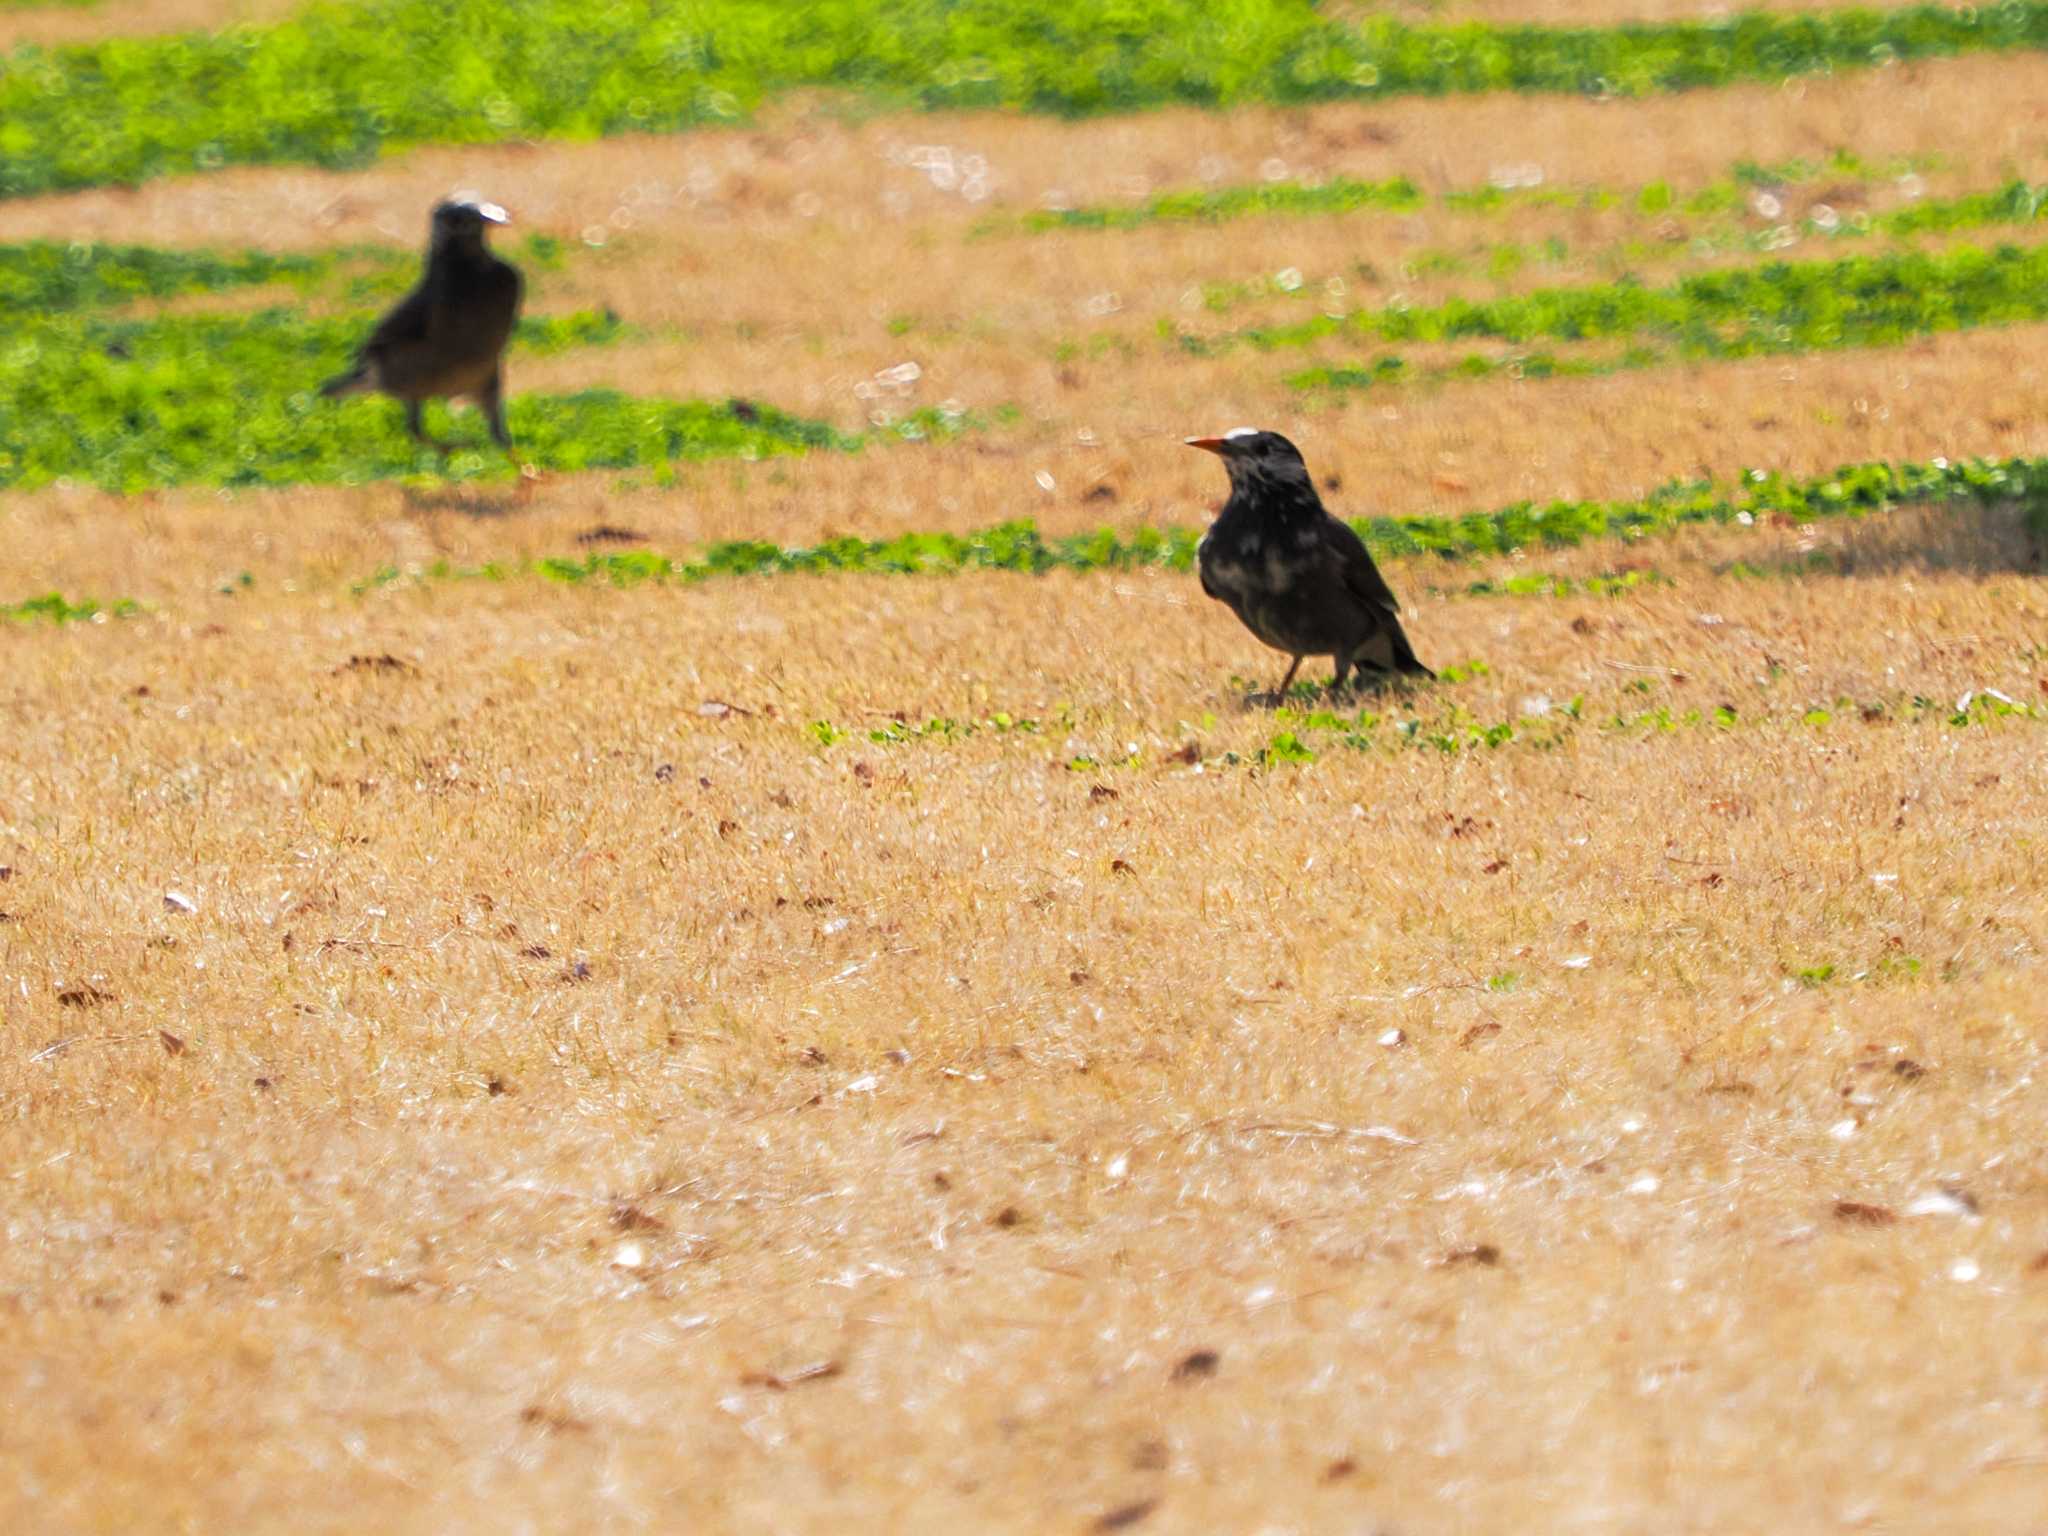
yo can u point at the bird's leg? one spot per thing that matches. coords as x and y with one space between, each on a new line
417 427
1280 693
492 398
1343 671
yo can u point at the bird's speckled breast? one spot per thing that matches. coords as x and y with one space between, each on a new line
1259 574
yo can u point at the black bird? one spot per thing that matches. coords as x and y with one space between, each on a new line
446 337
1300 579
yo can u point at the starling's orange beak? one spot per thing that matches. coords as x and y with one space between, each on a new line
1207 444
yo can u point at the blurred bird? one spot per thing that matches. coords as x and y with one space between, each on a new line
446 337
1300 579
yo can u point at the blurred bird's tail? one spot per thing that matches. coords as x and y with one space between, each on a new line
356 380
1404 654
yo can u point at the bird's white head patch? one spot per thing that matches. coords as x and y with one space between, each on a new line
486 210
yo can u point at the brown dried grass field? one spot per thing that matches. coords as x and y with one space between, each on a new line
578 1098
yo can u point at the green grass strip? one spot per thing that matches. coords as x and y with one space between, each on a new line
2016 203
1780 306
1852 491
229 399
1548 584
42 276
1339 195
55 608
336 84
1308 728
1383 372
45 277
1777 308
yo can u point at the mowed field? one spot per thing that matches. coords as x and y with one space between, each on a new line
590 1000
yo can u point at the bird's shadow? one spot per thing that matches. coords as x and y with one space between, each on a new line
1314 695
1969 538
469 498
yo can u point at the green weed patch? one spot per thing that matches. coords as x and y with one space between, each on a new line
43 277
1305 734
39 278
2016 203
228 399
55 608
1016 546
335 84
1852 491
1340 195
1781 307
1545 584
1732 312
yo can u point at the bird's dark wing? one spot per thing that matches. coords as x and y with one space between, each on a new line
511 286
1202 565
1361 576
406 325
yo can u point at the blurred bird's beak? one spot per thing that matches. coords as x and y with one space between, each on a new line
1214 445
494 213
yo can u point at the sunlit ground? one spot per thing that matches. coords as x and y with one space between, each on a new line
874 1053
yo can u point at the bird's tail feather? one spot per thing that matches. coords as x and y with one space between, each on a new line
353 382
1404 655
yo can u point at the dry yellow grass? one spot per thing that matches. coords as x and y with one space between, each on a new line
56 25
1002 1095
567 1108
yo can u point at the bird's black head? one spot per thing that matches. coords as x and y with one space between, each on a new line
463 218
1260 462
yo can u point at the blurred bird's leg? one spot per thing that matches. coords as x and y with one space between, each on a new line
1279 695
492 398
418 428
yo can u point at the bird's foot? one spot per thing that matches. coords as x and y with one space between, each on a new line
1367 681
